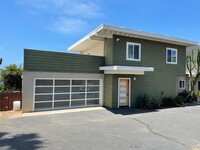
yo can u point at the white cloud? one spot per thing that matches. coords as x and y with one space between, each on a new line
89 9
78 8
68 25
70 16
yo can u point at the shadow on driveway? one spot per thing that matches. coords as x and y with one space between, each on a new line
129 110
30 141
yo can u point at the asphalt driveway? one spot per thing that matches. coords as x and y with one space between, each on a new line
102 129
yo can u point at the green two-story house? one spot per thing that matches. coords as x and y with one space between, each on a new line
114 67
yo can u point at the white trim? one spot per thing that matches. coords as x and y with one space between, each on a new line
133 44
183 84
109 30
123 72
126 68
172 49
129 91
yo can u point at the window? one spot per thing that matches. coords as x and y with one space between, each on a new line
198 85
133 51
181 84
171 56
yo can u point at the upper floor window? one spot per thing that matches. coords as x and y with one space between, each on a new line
133 51
171 56
182 84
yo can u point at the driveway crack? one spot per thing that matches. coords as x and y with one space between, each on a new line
150 129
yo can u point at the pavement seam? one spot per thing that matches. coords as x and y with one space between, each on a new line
150 129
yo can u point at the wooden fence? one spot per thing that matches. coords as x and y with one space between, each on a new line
7 99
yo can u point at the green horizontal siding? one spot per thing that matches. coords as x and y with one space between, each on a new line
46 61
153 54
108 90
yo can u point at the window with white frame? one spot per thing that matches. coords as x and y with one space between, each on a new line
133 51
171 56
182 84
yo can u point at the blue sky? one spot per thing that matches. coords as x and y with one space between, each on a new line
56 24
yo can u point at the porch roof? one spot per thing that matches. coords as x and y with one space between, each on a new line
125 69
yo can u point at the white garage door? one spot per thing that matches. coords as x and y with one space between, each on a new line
66 93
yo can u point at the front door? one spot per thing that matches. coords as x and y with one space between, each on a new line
123 92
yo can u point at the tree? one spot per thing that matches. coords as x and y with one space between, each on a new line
12 78
193 66
1 61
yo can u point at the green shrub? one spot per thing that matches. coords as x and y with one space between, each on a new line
153 103
146 102
187 99
1 87
167 102
142 101
179 101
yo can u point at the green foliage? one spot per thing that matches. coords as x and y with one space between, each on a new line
146 102
187 97
167 102
1 61
1 87
142 101
11 77
178 101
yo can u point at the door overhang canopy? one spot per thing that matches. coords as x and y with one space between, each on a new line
126 70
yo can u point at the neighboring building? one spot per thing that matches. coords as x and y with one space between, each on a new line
114 67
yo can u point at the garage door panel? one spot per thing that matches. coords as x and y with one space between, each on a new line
61 104
92 95
62 89
43 89
64 93
62 82
42 82
93 102
78 103
43 97
92 82
78 89
78 82
61 97
93 89
78 96
47 105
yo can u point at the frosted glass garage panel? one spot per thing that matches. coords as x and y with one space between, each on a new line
42 82
92 95
92 82
62 82
78 89
78 103
43 105
61 104
78 96
43 90
93 89
78 82
61 97
43 97
61 89
93 102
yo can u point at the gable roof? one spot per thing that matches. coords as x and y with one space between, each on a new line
107 31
